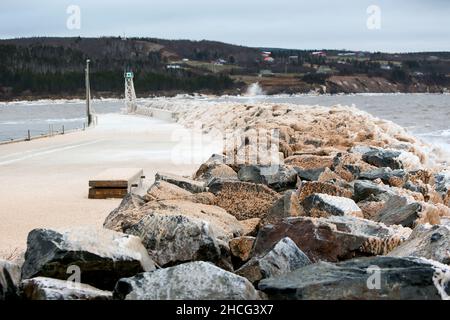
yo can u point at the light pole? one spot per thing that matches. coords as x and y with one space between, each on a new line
88 95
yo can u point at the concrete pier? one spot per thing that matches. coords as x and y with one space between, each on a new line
44 183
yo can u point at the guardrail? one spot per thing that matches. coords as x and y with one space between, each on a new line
51 133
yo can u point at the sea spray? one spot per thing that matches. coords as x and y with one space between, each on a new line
254 90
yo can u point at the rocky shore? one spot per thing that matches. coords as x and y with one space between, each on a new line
353 207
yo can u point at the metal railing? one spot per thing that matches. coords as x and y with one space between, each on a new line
39 134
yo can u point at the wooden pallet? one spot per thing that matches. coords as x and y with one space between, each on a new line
115 183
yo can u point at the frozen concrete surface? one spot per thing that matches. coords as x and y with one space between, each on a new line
44 183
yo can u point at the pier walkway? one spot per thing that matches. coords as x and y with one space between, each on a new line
44 182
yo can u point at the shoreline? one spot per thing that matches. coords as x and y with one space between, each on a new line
80 99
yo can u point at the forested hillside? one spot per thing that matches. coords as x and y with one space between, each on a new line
38 67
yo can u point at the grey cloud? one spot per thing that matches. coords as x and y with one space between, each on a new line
407 25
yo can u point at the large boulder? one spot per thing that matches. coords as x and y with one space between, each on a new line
309 174
324 205
277 177
399 210
162 190
369 190
42 288
443 185
244 200
103 256
184 183
223 224
427 241
214 169
287 206
173 239
284 257
117 219
334 238
189 281
383 158
375 278
396 178
9 280
348 166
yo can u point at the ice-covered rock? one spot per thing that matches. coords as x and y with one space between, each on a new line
42 288
427 241
324 205
284 257
9 280
374 278
102 256
189 281
174 239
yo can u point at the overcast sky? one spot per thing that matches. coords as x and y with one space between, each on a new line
406 25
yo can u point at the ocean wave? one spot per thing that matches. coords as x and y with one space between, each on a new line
437 134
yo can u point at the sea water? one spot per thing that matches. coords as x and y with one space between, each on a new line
426 116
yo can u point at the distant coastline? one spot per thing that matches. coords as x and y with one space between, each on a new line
51 67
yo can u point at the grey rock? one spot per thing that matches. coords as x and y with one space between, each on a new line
9 280
182 182
103 256
324 205
442 181
368 190
224 225
117 219
398 210
431 242
42 288
415 188
387 175
212 170
309 174
287 206
400 279
251 174
383 158
277 177
189 281
283 258
332 239
174 239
